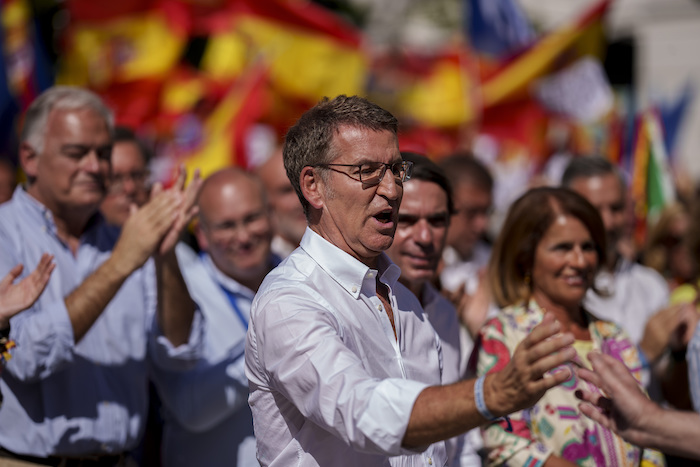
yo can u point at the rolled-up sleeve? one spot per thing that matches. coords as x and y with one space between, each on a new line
297 346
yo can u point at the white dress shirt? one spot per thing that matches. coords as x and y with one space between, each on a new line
462 450
458 271
631 296
329 382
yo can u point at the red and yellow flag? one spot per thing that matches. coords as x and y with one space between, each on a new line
124 47
511 79
311 53
223 133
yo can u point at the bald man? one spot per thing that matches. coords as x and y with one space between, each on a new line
208 420
288 218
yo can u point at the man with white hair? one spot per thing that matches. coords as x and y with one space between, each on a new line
75 391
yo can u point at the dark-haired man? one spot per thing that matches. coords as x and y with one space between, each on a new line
424 218
343 365
128 178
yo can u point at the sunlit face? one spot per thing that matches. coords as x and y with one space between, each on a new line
564 264
421 232
360 219
606 194
129 182
471 218
235 227
71 170
287 214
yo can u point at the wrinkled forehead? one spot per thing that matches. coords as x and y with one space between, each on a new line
359 145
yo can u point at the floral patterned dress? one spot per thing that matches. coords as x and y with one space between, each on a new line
554 425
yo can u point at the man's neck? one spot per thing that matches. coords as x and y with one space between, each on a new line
70 223
416 287
251 280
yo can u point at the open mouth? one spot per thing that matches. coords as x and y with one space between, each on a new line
385 217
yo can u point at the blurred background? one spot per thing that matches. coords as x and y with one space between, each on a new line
522 84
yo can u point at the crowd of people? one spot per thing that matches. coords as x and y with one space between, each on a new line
342 303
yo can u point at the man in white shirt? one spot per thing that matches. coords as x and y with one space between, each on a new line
343 367
208 421
424 217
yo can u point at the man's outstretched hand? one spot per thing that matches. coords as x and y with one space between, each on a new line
22 295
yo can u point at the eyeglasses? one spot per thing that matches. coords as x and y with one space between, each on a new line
372 173
138 177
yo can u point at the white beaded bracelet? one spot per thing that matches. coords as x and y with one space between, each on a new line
479 399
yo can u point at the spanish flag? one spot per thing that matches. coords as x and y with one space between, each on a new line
222 142
124 47
511 79
310 52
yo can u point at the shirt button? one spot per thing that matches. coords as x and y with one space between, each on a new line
370 274
354 289
430 460
380 308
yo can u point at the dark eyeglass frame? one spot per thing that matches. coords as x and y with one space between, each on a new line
396 169
140 179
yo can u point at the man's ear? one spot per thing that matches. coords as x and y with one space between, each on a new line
200 236
28 158
312 187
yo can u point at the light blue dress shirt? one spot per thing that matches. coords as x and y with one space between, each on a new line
90 398
208 421
693 359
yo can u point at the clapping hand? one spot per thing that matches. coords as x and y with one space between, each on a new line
22 295
155 227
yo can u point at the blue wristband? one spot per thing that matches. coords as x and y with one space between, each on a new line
479 399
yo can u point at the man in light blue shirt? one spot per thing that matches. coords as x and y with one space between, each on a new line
76 389
208 420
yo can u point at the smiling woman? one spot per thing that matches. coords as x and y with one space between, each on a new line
545 258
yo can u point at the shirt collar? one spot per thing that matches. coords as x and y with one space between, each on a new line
34 210
37 212
346 270
227 282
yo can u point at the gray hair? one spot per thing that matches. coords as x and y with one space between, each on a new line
63 98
